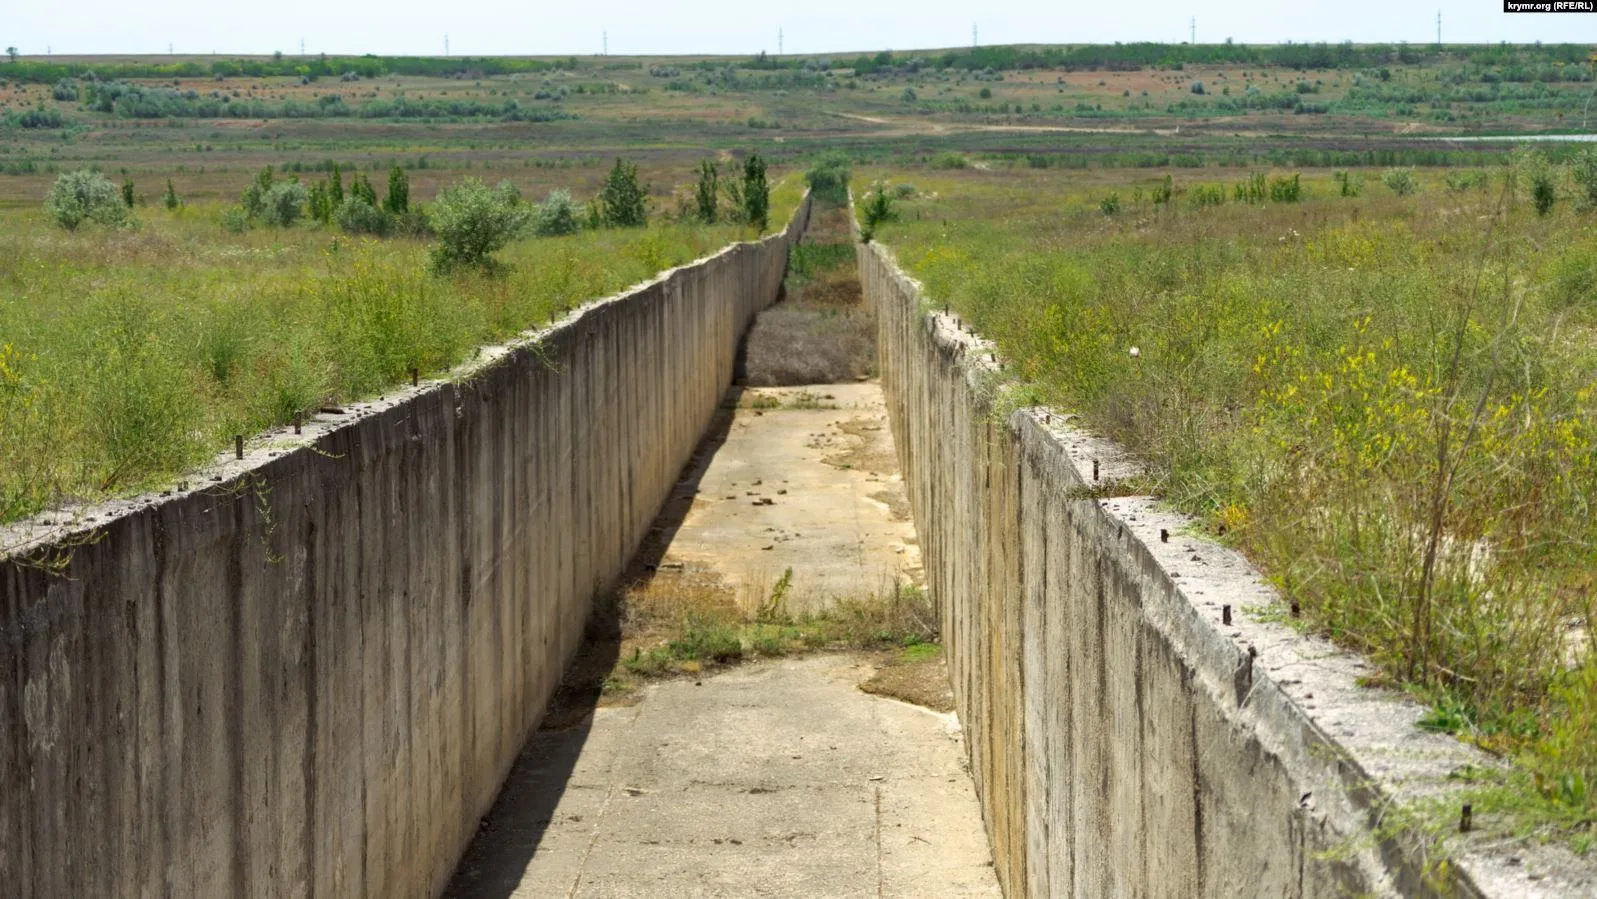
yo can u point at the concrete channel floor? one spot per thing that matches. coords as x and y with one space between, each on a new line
773 779
805 478
776 778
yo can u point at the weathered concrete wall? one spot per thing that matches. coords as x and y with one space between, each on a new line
309 676
1123 739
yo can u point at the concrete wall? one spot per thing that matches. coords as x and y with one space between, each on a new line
1123 740
309 676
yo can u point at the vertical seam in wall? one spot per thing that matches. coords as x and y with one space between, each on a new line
235 694
312 691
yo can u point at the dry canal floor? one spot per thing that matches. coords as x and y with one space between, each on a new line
774 778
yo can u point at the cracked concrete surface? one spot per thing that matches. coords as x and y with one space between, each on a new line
774 779
804 478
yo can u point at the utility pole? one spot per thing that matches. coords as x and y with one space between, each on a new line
778 42
605 37
1192 32
973 35
1438 28
302 46
446 43
169 48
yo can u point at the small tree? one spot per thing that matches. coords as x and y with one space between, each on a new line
284 204
1583 169
756 193
473 222
253 200
622 200
12 52
319 204
85 195
170 198
361 189
878 208
556 216
127 192
1399 181
1543 189
357 216
398 200
335 187
707 195
828 179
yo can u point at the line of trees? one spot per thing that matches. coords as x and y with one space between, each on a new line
278 65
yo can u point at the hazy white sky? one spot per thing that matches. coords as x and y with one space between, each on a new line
738 26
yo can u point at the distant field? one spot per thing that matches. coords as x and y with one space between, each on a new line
205 121
1384 394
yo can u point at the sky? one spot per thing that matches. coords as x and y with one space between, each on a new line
534 27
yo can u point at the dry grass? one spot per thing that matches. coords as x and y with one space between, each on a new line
823 333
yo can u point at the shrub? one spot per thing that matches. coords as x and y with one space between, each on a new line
37 117
1252 190
65 91
1206 195
1399 181
1348 184
985 93
235 220
127 192
1286 190
284 204
319 204
623 201
1110 205
1583 169
398 200
357 216
950 160
473 222
556 216
1543 190
707 193
756 192
1163 191
170 198
1197 87
908 96
828 178
878 208
362 189
253 200
85 195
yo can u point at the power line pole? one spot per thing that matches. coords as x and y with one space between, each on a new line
1438 28
446 43
302 46
778 42
1192 32
973 35
606 39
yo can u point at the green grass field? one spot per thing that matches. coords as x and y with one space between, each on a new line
1386 400
128 356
